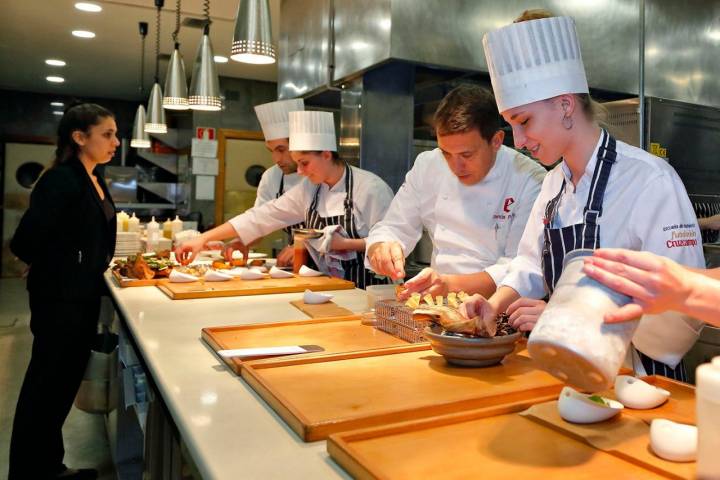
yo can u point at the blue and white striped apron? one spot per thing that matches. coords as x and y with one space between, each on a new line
355 270
560 241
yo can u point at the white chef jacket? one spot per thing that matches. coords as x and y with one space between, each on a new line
270 184
645 208
472 227
371 198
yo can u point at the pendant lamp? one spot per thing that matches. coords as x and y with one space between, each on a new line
205 87
252 41
176 93
155 121
140 138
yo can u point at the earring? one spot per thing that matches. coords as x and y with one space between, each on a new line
567 122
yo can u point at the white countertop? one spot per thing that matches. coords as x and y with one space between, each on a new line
230 431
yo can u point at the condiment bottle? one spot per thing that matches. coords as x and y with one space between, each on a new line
177 226
122 221
167 229
707 397
152 231
133 224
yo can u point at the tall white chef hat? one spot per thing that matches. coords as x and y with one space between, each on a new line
314 131
273 117
534 60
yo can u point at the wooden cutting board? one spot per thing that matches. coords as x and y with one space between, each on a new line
334 335
238 287
324 395
321 310
483 443
133 282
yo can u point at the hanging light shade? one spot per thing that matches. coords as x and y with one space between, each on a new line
252 41
205 87
176 94
155 120
140 138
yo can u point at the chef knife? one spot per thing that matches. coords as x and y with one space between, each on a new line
269 351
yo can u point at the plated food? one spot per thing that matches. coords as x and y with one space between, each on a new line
145 266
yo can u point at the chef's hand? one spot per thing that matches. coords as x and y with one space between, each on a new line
387 258
427 281
188 250
236 244
339 243
523 313
484 312
285 257
656 284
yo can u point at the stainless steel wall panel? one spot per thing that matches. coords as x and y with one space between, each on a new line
682 51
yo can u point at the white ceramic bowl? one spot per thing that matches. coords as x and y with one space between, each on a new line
673 441
278 273
634 393
576 407
311 297
215 276
308 272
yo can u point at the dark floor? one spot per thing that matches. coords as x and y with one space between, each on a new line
86 443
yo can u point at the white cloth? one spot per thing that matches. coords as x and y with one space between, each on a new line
645 208
472 227
273 117
312 131
371 198
329 261
270 184
534 60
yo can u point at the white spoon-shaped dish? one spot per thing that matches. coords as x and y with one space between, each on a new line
316 297
634 393
576 407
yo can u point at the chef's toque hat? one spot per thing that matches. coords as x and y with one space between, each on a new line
534 60
273 117
312 131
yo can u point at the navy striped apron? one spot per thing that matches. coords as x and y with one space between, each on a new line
560 241
287 230
355 270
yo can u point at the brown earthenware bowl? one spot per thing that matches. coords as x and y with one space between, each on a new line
466 351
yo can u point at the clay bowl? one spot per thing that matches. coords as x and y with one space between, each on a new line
465 351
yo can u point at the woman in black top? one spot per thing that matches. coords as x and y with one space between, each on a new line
67 237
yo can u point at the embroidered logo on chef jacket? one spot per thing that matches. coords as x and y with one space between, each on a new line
506 206
683 235
505 214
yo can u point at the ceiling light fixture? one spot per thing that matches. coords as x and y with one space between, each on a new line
88 7
176 93
155 120
140 138
57 112
57 104
205 86
55 79
252 41
220 59
83 34
53 62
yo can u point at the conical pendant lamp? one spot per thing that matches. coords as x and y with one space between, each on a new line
176 93
252 41
205 87
140 138
155 120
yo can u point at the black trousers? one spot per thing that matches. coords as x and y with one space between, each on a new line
63 335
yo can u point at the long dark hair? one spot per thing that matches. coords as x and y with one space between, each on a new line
81 116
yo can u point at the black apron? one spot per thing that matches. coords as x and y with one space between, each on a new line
560 241
355 270
288 230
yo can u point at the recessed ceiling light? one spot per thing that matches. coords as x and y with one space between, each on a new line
55 62
56 112
220 59
83 34
55 79
57 104
88 7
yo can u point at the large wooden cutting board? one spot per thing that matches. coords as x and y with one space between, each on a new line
491 442
324 395
238 287
334 335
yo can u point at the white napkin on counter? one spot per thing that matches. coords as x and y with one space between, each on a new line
329 261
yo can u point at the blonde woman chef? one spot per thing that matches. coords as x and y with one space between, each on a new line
333 193
603 193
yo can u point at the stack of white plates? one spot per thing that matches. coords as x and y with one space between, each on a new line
127 243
